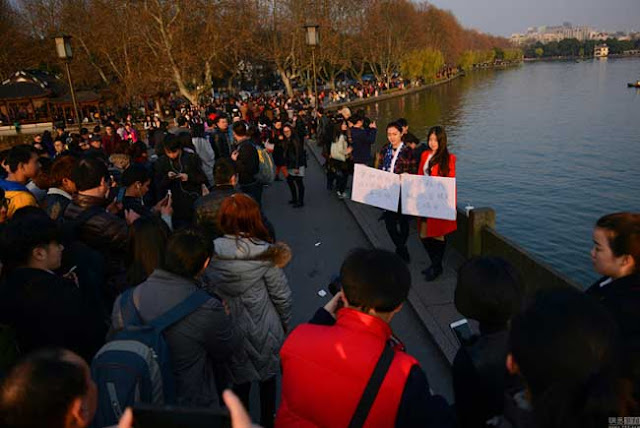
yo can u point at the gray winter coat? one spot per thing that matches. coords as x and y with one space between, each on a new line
197 342
249 278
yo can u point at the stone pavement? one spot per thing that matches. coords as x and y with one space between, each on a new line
432 301
320 235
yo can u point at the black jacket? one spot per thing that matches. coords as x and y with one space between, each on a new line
197 343
49 311
622 298
207 208
418 406
220 143
103 232
184 194
248 162
294 153
480 379
277 138
55 204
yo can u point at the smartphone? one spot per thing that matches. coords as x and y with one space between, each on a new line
121 192
462 330
148 416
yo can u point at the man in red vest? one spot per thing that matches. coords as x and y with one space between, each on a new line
329 363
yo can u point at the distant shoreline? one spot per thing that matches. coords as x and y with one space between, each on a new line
573 58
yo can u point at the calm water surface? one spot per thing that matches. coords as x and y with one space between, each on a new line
550 146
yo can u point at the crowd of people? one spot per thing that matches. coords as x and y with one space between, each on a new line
139 266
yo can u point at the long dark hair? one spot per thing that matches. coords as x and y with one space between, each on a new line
566 347
147 242
337 130
441 156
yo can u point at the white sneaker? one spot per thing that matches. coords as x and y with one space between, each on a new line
341 195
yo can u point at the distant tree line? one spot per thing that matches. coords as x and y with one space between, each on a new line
470 58
143 47
576 48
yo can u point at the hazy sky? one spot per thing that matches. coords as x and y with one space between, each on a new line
503 17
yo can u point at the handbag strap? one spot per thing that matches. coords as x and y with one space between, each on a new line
373 386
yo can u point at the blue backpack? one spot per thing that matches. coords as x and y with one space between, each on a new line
135 366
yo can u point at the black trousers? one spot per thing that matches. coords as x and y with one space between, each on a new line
397 227
267 399
254 190
296 186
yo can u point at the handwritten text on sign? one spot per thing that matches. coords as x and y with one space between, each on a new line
375 187
425 196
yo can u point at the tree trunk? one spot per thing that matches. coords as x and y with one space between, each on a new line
287 82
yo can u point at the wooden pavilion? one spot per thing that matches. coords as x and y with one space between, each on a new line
34 96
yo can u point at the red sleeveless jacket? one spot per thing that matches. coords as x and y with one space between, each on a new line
326 368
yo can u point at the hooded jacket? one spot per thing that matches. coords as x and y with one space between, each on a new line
248 275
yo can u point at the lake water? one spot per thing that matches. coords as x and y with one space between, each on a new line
550 146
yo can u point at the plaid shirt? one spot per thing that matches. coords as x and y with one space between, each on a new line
406 162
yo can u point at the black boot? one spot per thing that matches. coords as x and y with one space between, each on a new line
428 247
436 254
293 190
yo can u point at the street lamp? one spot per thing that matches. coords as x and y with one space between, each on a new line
63 48
313 39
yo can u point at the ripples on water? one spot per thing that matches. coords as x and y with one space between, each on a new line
550 146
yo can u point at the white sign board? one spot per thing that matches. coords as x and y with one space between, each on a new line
375 187
433 197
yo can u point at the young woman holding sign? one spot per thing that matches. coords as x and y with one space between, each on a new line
436 162
397 157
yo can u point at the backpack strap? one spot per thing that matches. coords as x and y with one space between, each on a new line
181 310
128 310
373 386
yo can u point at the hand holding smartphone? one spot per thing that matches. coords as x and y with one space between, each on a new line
462 330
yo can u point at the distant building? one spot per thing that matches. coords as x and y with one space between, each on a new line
601 51
546 34
34 96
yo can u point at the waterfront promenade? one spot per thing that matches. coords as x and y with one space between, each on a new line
320 235
432 302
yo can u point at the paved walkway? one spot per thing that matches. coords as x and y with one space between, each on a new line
320 235
432 301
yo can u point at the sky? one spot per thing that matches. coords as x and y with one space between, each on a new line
504 17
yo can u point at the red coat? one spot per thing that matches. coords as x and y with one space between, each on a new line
326 368
433 227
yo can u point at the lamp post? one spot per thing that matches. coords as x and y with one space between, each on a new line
313 39
63 48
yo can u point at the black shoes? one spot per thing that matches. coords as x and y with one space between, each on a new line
298 205
293 202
